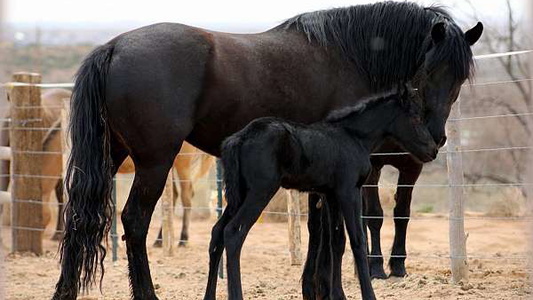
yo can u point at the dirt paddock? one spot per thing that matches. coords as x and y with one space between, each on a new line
497 270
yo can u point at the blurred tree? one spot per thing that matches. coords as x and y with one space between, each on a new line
507 34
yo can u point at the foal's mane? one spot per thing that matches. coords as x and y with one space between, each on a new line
387 41
363 105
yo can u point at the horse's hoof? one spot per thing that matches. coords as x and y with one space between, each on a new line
397 268
376 268
158 244
182 244
398 274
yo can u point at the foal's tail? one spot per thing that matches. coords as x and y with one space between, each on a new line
232 173
88 180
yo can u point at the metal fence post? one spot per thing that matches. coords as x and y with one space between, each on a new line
219 211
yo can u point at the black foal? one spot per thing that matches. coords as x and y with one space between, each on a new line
331 157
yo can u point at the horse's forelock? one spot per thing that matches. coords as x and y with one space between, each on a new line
455 52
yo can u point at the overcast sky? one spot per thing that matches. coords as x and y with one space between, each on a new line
195 12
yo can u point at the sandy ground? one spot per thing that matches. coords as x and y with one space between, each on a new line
498 270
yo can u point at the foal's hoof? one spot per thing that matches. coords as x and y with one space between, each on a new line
158 244
183 243
58 236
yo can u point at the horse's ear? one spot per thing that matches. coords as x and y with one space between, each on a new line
473 35
438 32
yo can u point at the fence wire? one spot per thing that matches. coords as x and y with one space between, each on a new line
444 256
281 213
441 152
526 219
420 185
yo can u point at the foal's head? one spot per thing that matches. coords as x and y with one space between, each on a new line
409 128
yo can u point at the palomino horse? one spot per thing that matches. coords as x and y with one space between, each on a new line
145 92
52 101
184 165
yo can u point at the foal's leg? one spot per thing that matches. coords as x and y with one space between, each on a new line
313 226
351 206
373 209
323 272
338 244
408 176
216 246
327 243
147 188
236 231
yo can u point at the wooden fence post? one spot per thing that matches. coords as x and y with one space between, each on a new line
459 262
295 236
26 137
167 207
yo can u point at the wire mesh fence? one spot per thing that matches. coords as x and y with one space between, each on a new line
526 219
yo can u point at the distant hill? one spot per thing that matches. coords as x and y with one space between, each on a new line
95 33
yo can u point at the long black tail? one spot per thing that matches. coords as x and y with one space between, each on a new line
88 180
232 176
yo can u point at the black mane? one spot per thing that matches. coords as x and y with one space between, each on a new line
362 106
387 41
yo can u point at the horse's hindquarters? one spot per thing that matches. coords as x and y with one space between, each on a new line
152 91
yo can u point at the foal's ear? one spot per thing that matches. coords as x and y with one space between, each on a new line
473 35
438 32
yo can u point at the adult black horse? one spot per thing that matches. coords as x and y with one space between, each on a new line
146 91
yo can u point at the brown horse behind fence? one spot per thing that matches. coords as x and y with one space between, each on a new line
190 165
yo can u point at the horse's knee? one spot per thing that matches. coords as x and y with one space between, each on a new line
375 224
47 215
402 209
339 243
229 234
232 237
187 193
134 227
